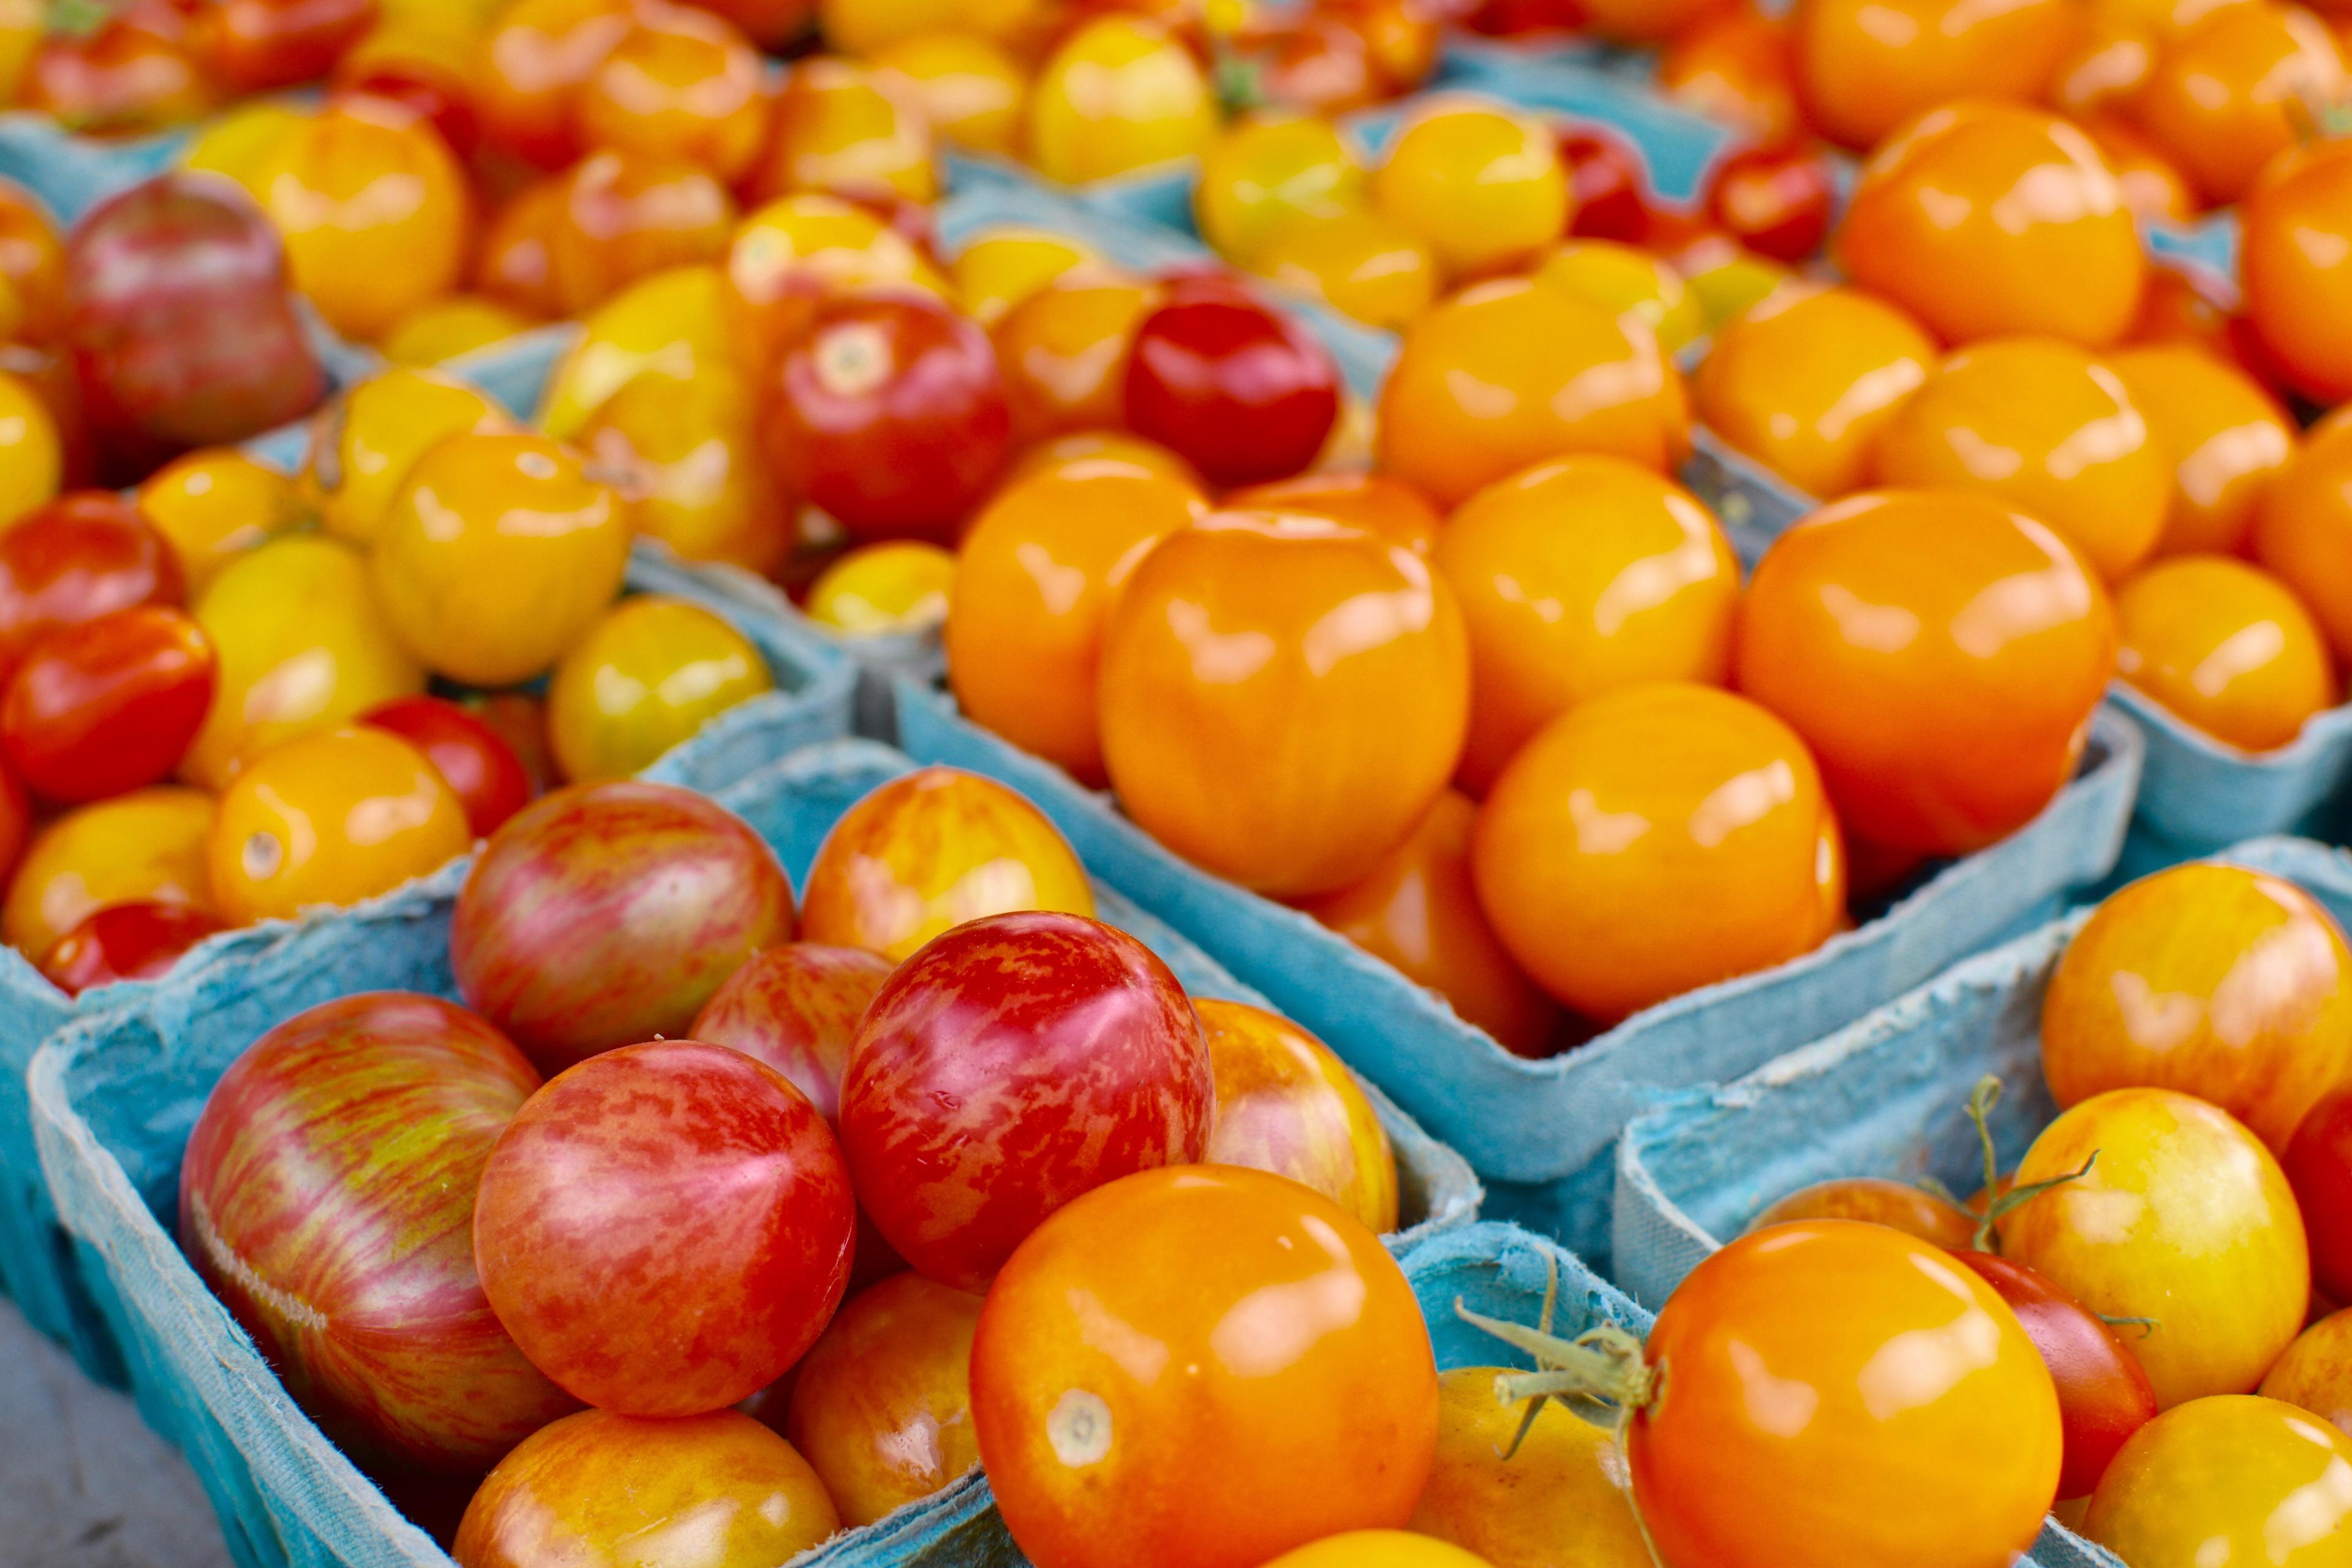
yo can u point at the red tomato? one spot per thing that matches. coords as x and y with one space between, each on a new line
130 75
79 557
1776 201
889 414
2104 1396
1604 181
125 942
1241 393
479 765
2318 1162
797 1008
433 91
109 705
254 45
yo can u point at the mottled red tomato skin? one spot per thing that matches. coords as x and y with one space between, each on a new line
333 1166
666 1228
1776 201
2102 1395
608 913
797 1008
2318 1162
1012 1065
125 942
1604 176
109 705
83 555
480 767
888 412
1241 393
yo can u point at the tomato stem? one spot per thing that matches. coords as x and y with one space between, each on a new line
2147 1326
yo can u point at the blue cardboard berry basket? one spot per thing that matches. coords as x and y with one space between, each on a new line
116 1094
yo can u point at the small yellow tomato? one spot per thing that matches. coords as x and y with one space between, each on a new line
1002 267
237 144
147 845
1266 171
687 454
1481 184
1560 1499
1359 263
900 586
971 89
442 329
1121 93
216 505
671 324
2227 1482
650 674
499 554
1629 281
362 449
304 644
331 819
1727 281
32 459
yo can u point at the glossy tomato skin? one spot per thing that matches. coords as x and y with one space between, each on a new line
666 1228
1775 1412
1604 186
481 769
2298 267
2319 1163
1873 1200
1560 1497
1776 201
133 74
1013 1064
881 1405
890 414
148 845
2315 1373
1240 392
136 941
797 1007
2231 1481
1266 1424
252 46
609 912
107 705
327 1197
2102 1395
85 554
1286 1104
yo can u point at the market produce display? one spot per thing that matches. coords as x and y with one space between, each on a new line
1617 518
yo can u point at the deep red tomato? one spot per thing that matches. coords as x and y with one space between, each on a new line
2318 1162
251 46
479 766
1776 201
107 705
1518 19
15 822
2104 1396
125 942
1241 393
1604 176
81 556
889 413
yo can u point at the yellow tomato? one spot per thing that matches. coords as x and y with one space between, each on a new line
1378 1548
1360 263
971 89
215 506
795 250
304 644
1481 185
2227 1482
864 26
362 451
1003 266
147 845
242 141
441 330
650 674
901 585
32 460
1629 281
1264 173
672 324
1122 93
688 453
1560 1499
330 819
499 554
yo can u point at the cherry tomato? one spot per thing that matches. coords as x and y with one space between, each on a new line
515 264
2237 89
2315 1374
130 75
2111 59
472 759
1559 1498
643 679
2296 263
1306 1433
2225 436
622 217
1864 68
2303 528
687 452
2319 1163
1120 94
107 705
81 556
148 846
251 46
1360 263
33 262
2225 1483
1379 1549
362 449
864 26
215 505
1738 68
1238 391
797 1008
970 88
1873 1200
1483 187
2183 1218
843 131
1002 266
669 329
881 1405
427 80
137 941
2226 646
680 83
442 329
902 586
32 454
534 62
1286 1104
1269 171
1064 352
790 254
891 415
1774 201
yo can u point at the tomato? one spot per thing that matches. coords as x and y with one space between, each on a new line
2226 646
1315 1422
251 46
1120 93
971 90
1738 68
2237 89
2318 1164
797 1008
1482 187
643 679
32 452
146 846
1270 171
2315 1373
2152 186
1775 201
687 454
773 24
1360 263
881 1405
1035 581
514 266
362 449
1378 1548
864 26
1912 1210
472 759
1286 1104
1559 1496
790 253
1241 393
718 1491
621 217
930 851
107 705
130 75
137 941
2225 435
534 62
428 72
2183 1218
840 129
876 590
32 263
680 83
2295 259
1864 68
2303 527
1605 187
83 555
442 329
2227 1482
1002 266
213 506
2110 61
1063 352
1628 281
499 554
669 329
1955 735
1987 219
1379 504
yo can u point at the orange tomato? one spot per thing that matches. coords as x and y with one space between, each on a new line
1285 1104
2215 981
970 88
362 449
1873 1200
2040 425
899 585
1560 1497
1379 504
1575 578
1418 910
2225 647
1811 1365
1282 698
881 1405
866 26
2111 59
144 846
2227 1482
931 850
1645 21
2237 89
330 818
1379 1549
515 264
1360 263
680 83
2315 1374
1284 1390
1991 218
1482 186
2303 528
1865 66
1035 579
1738 67
1510 373
1081 445
1939 653
533 64
1064 352
2225 436
2296 258
688 453
843 131
1805 381
33 262
215 505
620 216
2152 186
1269 171
1120 94
2183 1218
1654 840
646 679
